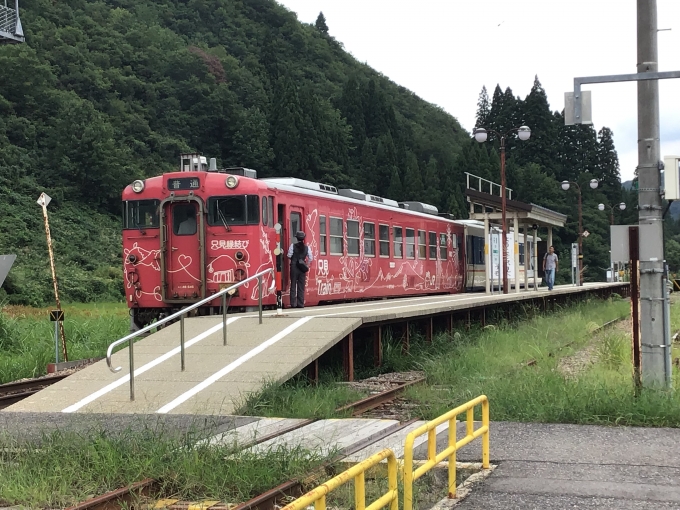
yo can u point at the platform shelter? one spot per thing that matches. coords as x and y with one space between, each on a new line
485 201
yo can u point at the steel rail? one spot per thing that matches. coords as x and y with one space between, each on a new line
181 314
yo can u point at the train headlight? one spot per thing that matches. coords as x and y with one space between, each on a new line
231 182
138 186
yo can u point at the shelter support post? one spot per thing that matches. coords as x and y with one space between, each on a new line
487 256
348 356
527 257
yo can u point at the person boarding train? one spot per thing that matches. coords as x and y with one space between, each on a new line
300 256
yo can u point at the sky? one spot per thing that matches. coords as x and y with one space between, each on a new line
446 50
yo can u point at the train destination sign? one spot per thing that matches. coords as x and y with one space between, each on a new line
184 183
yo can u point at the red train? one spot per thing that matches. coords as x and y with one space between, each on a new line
188 234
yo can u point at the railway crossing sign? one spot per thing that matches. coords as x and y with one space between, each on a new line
586 233
56 315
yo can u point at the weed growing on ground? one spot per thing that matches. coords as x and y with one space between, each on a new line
63 468
299 398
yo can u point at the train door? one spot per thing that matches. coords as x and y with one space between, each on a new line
182 251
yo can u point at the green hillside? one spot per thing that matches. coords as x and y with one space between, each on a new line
104 92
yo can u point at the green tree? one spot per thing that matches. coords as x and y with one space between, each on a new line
320 24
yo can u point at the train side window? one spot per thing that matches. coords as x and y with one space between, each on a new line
432 245
336 236
398 242
442 247
384 232
265 211
369 239
295 225
422 247
270 216
454 243
352 237
410 243
322 235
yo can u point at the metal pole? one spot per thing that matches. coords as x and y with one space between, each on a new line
535 256
504 243
652 331
131 353
54 278
224 319
259 297
56 341
580 239
515 247
181 341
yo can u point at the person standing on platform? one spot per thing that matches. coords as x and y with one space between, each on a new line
550 264
300 257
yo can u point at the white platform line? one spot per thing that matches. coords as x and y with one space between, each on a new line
233 365
110 387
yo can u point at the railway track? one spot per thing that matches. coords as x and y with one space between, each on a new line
13 392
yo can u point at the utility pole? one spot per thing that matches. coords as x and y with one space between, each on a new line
652 293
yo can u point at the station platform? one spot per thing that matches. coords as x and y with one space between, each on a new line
217 378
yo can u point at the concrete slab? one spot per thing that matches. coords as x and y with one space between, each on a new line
555 466
327 436
250 432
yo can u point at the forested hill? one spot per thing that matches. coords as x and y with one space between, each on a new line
104 92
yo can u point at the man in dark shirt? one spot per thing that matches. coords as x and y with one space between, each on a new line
298 252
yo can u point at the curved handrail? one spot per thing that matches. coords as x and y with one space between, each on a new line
228 290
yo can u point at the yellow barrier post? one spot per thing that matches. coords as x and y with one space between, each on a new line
411 475
356 473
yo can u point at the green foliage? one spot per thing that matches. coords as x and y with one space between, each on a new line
27 336
107 91
63 467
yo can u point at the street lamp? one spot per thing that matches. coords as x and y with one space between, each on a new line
481 134
565 186
602 207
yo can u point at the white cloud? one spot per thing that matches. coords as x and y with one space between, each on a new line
446 50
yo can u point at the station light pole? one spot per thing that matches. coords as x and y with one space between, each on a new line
621 206
565 186
481 134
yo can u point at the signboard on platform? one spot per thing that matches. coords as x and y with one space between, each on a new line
574 255
496 261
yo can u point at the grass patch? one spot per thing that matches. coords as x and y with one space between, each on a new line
299 398
27 336
517 366
64 467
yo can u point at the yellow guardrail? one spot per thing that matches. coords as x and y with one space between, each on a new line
433 458
356 472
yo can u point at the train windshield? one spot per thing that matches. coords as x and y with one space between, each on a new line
234 210
141 214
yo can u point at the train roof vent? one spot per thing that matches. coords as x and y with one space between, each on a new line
301 183
419 207
380 200
446 215
238 170
352 193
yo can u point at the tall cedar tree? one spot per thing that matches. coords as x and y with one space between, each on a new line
320 24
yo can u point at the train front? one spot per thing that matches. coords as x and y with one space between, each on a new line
188 234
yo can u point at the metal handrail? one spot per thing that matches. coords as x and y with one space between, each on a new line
223 294
434 458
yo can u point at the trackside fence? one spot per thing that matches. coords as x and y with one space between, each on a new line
357 472
434 458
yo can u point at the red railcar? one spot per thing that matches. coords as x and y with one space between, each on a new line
188 234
